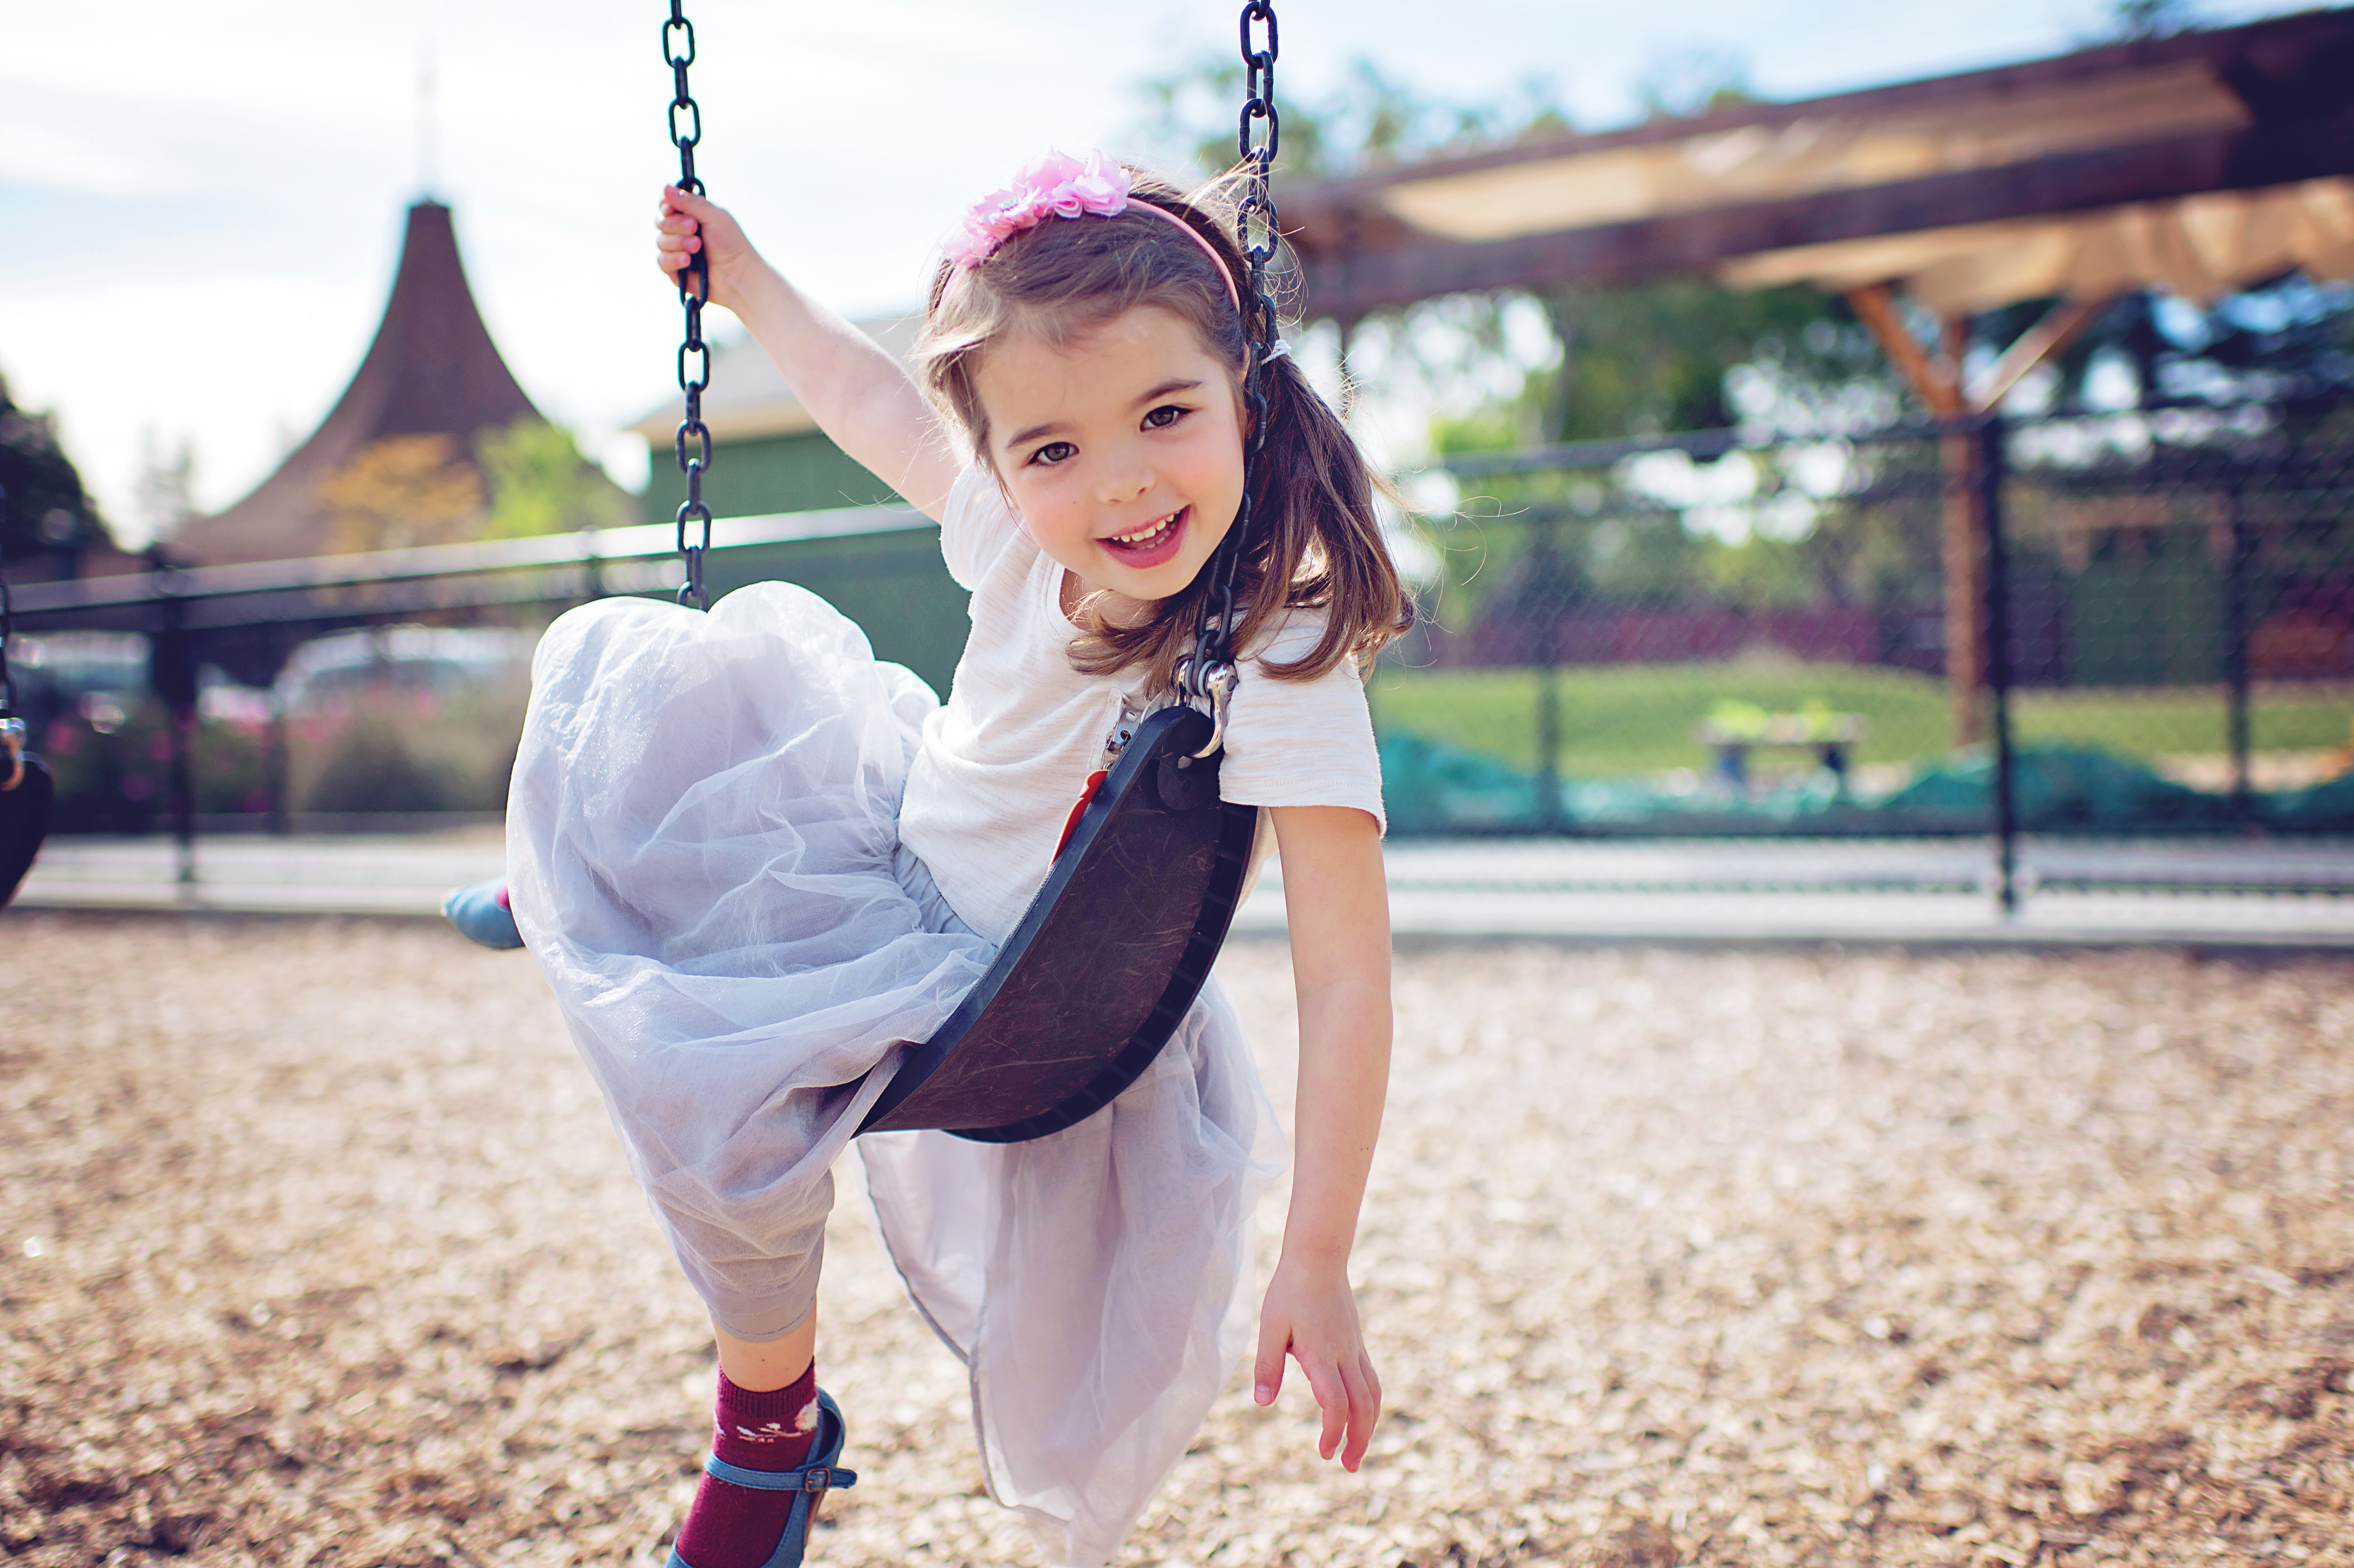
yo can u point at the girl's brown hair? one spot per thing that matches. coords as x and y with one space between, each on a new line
1314 541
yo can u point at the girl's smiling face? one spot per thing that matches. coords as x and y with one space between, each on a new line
1121 450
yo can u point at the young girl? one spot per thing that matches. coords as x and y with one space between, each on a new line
751 861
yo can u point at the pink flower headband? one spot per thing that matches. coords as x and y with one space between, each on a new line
1058 186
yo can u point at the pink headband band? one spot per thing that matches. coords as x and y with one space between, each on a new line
1193 233
1057 185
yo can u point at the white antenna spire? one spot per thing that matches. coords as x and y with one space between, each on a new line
429 135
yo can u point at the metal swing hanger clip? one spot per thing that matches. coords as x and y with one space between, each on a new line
1212 692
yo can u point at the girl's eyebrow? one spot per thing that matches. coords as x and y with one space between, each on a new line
1024 437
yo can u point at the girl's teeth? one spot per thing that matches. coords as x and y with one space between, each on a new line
1143 535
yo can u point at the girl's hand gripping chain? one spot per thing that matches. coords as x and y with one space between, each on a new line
1338 902
859 396
690 224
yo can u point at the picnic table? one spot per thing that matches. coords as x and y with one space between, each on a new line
1734 730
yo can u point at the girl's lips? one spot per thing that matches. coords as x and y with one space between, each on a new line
1163 547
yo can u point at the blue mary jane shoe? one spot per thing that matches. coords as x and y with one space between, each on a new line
809 1484
481 916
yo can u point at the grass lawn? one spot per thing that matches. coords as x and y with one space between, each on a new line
1638 718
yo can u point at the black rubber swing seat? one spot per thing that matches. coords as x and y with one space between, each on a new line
1106 959
24 822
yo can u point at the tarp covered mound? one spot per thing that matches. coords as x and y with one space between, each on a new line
2056 788
1432 786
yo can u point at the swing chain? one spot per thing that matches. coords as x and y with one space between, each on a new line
1258 227
1209 675
693 288
12 728
1258 215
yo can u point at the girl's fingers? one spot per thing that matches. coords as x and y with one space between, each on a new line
1267 1370
1364 1409
676 200
1333 1398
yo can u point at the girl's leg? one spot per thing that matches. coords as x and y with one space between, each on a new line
765 1364
766 1419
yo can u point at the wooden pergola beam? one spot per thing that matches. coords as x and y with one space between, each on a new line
2306 53
1932 380
1341 280
2061 325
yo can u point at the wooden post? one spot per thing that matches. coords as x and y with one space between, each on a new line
1937 381
1965 655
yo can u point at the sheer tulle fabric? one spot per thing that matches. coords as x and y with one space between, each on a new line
1097 1283
704 858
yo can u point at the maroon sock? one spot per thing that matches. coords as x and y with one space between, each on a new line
737 1527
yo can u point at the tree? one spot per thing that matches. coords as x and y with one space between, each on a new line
47 509
2131 19
399 492
166 486
1371 119
1693 81
539 483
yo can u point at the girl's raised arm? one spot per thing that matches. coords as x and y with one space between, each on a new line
859 395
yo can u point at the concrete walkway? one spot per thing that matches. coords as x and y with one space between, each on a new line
1929 892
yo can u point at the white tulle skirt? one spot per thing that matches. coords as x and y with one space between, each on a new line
703 855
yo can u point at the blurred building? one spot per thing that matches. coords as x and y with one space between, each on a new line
881 567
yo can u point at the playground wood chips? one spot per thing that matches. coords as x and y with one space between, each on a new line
315 1249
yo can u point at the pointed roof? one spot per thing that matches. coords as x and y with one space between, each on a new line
432 370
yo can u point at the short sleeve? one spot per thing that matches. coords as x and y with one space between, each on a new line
975 526
1301 743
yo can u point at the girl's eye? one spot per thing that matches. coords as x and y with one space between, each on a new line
1051 453
1164 417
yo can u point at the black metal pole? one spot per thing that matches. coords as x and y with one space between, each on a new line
1993 473
183 719
172 676
1546 576
2235 637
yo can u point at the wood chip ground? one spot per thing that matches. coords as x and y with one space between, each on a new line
316 1248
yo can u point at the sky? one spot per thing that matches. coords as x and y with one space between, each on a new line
200 207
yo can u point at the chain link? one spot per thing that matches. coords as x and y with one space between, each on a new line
1209 675
693 288
12 728
7 618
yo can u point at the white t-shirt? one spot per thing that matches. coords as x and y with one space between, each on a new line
1003 761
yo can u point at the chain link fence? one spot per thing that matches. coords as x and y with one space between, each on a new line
2127 624
2124 623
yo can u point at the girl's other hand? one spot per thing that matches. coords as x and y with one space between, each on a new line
690 225
1311 1314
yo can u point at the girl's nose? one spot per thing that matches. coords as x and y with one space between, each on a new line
1123 483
